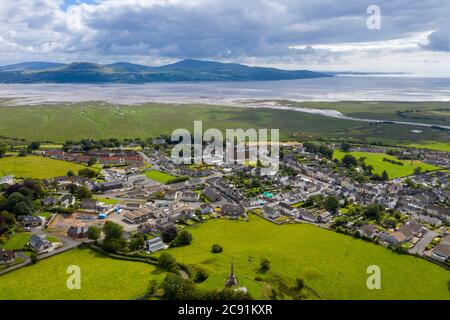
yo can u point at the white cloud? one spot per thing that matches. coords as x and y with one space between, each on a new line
320 34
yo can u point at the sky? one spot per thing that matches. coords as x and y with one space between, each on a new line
322 35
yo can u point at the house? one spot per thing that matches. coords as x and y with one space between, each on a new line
287 209
89 204
270 212
67 201
305 215
162 223
50 201
30 221
154 245
39 243
367 230
136 179
171 195
7 256
147 227
9 180
190 196
441 252
325 217
396 238
78 232
232 210
211 195
411 229
206 208
111 185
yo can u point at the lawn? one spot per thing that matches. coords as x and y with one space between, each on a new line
159 176
17 241
101 278
393 170
36 167
438 146
332 264
107 201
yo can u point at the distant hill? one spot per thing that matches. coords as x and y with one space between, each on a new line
123 72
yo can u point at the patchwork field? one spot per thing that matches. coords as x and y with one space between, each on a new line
393 170
101 278
36 167
59 123
332 264
159 176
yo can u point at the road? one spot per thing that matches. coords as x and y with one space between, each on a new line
420 246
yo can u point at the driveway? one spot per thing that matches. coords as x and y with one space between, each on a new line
420 246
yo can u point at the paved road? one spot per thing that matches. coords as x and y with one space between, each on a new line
422 243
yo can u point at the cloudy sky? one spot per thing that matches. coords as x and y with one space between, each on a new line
292 34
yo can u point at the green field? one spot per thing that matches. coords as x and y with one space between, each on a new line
107 201
101 278
59 123
393 170
17 241
438 146
36 167
159 176
332 264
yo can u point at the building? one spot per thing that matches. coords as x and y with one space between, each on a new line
190 196
111 185
231 280
147 227
206 208
39 243
89 204
138 216
50 201
78 232
305 215
7 256
367 230
171 195
67 201
154 245
211 195
30 221
270 212
9 180
441 252
233 210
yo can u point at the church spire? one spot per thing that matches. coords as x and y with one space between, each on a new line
231 280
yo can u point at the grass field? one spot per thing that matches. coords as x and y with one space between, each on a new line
159 176
101 278
438 146
17 241
393 170
107 201
59 123
332 264
36 167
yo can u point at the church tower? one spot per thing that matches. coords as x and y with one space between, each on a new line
231 280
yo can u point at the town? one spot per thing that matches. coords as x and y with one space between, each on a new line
150 197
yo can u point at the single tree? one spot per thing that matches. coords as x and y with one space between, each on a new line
94 233
216 248
264 265
166 261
